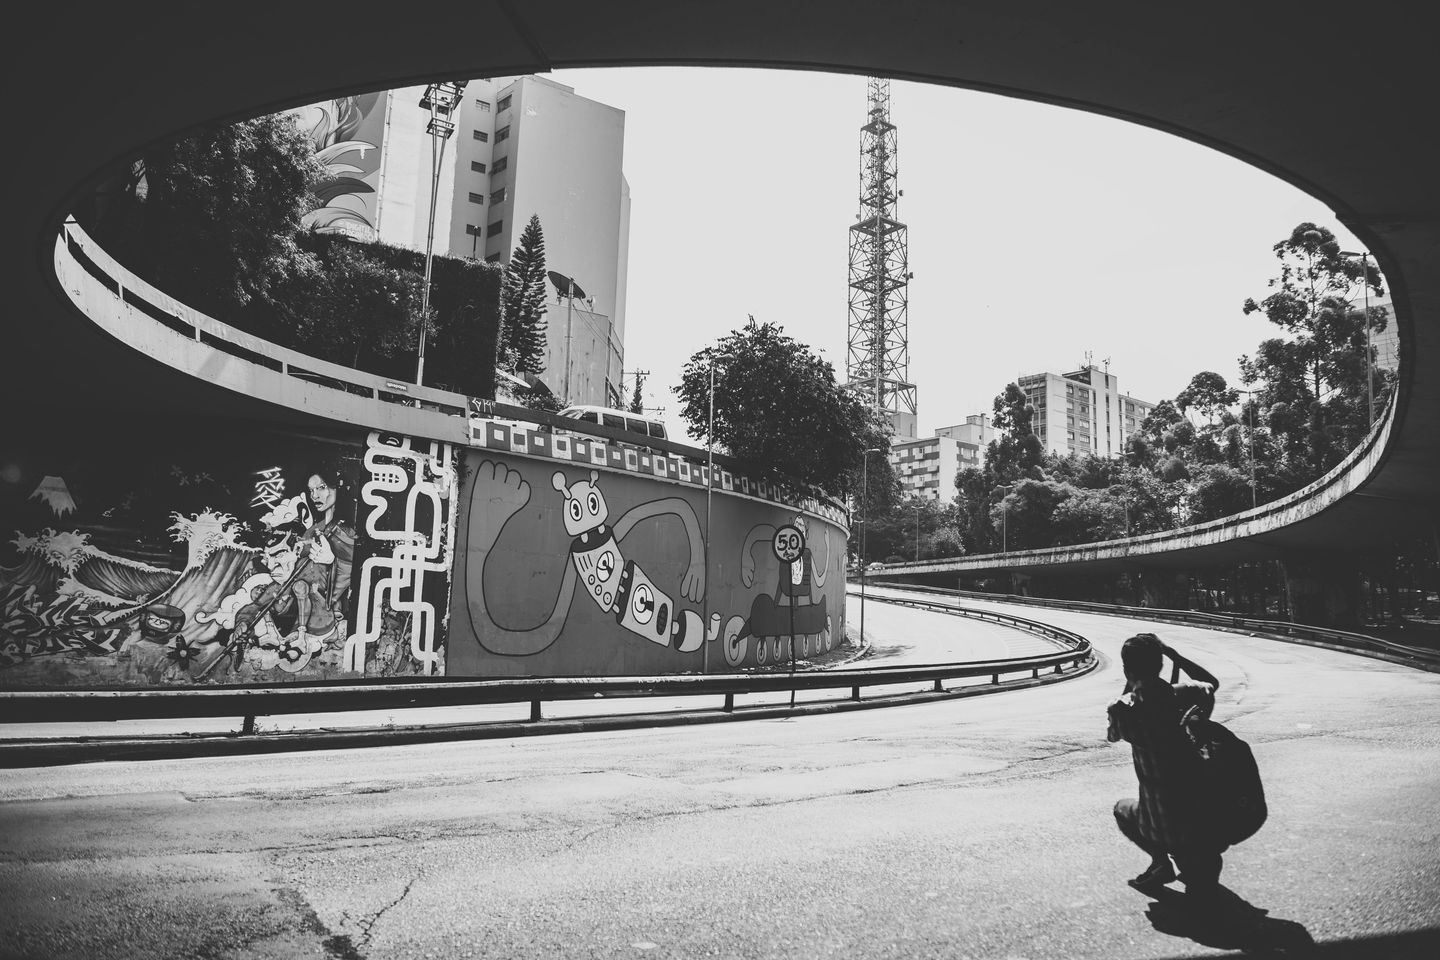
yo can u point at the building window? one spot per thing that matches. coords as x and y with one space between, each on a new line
472 229
477 167
493 258
502 134
498 196
483 105
476 198
495 228
503 103
480 135
500 164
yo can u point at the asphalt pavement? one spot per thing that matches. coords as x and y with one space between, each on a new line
962 828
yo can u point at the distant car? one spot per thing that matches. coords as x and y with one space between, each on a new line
618 419
877 565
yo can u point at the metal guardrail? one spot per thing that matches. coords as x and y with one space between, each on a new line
1323 636
149 703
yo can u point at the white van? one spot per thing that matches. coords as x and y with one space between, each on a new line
619 419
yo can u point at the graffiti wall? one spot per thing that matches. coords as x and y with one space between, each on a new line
202 553
587 559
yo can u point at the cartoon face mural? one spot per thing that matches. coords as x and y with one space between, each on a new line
252 579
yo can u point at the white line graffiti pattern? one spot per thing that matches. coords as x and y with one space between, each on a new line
396 582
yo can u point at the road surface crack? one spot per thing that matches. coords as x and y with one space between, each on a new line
367 926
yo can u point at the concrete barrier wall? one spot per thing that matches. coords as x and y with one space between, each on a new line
191 551
571 564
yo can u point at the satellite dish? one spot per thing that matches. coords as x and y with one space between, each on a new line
565 285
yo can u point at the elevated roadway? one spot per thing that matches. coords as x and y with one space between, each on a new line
1225 76
964 828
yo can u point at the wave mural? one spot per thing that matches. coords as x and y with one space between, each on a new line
229 560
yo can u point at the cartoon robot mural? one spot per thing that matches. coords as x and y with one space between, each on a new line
597 564
797 608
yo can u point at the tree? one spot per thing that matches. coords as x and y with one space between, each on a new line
522 339
637 402
1319 373
212 218
1207 393
1023 516
779 410
1016 451
349 308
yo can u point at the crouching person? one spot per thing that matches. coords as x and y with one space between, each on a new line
1167 821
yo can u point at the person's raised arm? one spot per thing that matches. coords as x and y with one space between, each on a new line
1192 669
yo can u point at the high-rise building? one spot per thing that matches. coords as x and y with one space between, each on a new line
928 467
520 146
1083 412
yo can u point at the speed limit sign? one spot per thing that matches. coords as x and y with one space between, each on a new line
789 543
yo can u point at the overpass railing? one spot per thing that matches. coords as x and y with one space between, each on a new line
146 319
1345 477
1345 640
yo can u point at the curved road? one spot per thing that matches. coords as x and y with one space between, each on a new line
976 827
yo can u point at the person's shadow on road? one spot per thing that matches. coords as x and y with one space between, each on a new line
1228 922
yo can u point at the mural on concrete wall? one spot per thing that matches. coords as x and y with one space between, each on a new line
798 607
409 492
347 133
224 559
534 536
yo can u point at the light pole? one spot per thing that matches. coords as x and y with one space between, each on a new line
439 99
570 289
917 529
864 487
1369 364
1250 442
1004 492
709 504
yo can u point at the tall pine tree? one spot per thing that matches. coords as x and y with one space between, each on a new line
522 343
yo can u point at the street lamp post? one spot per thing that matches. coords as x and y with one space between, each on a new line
1004 492
1369 364
439 99
864 487
570 289
917 530
1250 442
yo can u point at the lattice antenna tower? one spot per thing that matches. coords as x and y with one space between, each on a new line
877 363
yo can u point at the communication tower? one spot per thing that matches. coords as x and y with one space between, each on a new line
877 363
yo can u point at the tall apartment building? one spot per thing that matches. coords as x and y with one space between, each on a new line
521 146
928 467
1083 412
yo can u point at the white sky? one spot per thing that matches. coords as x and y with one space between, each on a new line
1036 233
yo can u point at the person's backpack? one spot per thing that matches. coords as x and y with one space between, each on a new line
1234 797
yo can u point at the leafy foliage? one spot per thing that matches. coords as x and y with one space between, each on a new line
779 410
215 220
222 209
1205 453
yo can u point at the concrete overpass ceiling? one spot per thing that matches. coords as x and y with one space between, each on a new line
1334 98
